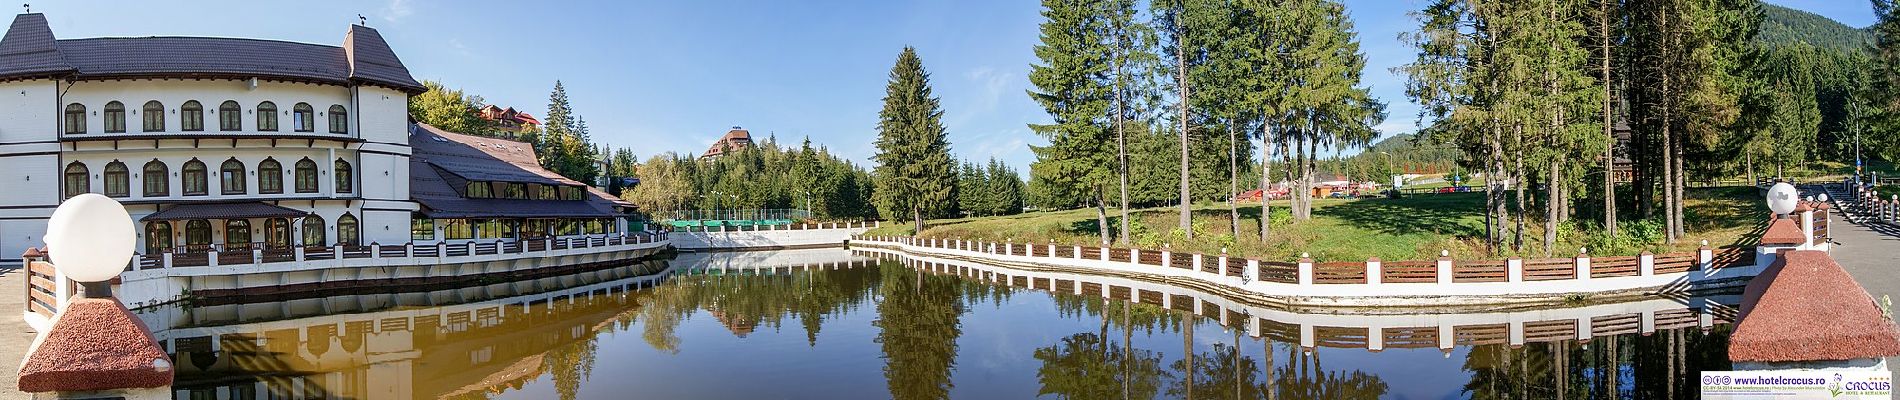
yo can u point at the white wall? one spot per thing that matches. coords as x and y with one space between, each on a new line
385 115
29 111
762 239
209 93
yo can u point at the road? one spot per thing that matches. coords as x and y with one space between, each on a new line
15 334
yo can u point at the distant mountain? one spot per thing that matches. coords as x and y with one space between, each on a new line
1783 25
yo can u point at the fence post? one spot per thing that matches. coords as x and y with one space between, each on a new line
1306 270
295 252
257 255
167 257
1105 251
409 250
211 258
1078 252
1134 255
1444 267
1514 269
1197 263
1009 247
1252 274
1375 272
1705 257
1167 256
1645 264
1052 249
1583 264
1807 226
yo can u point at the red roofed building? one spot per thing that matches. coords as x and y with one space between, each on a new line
508 119
735 140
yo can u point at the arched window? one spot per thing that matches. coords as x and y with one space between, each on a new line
306 176
157 179
313 231
158 237
154 116
267 116
78 181
75 119
197 235
270 176
237 234
231 177
230 116
115 117
195 178
277 233
345 177
191 116
303 117
339 119
346 230
118 180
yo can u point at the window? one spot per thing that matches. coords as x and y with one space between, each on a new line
78 181
158 237
306 176
422 229
267 116
277 233
191 116
339 119
478 190
194 177
345 179
197 235
118 180
457 229
115 117
570 193
516 191
230 116
75 119
535 228
313 231
154 116
231 177
346 230
270 176
157 179
547 192
303 118
237 234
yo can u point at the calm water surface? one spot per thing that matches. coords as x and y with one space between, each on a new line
838 324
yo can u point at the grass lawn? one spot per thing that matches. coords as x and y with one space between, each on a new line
1410 228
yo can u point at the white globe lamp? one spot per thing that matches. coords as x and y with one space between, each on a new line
1781 198
91 239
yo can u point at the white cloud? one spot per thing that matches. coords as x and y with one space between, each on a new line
396 10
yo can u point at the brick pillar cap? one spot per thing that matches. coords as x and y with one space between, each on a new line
95 344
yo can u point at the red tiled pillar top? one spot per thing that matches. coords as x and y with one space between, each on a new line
1806 308
95 344
1783 231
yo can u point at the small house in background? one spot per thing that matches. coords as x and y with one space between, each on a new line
510 121
1624 169
735 140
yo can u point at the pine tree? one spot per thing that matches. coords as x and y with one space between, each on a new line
915 174
1884 88
1071 85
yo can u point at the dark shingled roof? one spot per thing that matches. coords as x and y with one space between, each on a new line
441 161
224 211
1804 307
29 50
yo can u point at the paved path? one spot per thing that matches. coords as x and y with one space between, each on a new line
1871 253
15 335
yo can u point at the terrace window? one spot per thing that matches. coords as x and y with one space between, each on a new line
154 116
457 229
231 177
158 237
197 234
422 229
345 178
270 177
157 178
115 117
267 116
75 119
306 176
78 180
237 234
339 119
277 232
303 118
313 231
230 116
195 178
118 180
479 190
517 191
191 116
346 232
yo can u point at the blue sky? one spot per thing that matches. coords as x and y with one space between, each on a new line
673 76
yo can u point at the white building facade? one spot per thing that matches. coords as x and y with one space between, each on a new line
211 143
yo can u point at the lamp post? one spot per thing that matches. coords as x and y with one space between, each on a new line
95 347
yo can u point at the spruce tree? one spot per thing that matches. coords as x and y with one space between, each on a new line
915 175
1071 80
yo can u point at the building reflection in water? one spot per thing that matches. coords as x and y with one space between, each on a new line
1064 336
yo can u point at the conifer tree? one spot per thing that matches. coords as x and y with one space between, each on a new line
915 174
1071 85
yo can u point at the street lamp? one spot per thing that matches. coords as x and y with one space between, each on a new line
91 239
